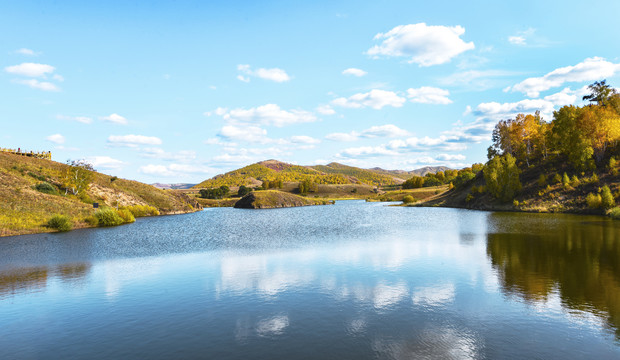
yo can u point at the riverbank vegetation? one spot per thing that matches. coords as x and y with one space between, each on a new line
37 193
568 164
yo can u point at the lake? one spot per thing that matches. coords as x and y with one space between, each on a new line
354 280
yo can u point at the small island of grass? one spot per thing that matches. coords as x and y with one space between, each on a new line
271 199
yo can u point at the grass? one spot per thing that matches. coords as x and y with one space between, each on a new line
25 209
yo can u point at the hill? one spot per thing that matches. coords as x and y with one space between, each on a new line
179 186
23 209
333 173
402 174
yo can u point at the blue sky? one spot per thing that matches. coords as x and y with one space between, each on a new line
181 91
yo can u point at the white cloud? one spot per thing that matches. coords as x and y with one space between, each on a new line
343 137
387 130
443 143
114 118
476 79
325 110
367 151
175 170
425 45
567 96
429 95
304 139
159 153
590 69
58 77
269 114
245 155
24 51
274 74
218 141
104 162
30 69
133 140
354 72
521 38
375 99
56 139
36 84
516 40
252 134
82 119
450 157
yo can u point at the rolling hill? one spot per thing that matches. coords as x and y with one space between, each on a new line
24 209
332 173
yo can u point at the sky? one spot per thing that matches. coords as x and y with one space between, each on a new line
180 91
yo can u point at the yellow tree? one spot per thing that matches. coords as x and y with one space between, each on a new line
76 176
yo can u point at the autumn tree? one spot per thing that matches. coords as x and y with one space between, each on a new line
501 175
77 176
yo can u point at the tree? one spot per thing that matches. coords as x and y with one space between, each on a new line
77 176
600 93
243 191
502 177
607 198
306 186
413 182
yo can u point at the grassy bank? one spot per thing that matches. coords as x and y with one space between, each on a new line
26 205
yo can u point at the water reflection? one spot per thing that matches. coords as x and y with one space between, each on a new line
35 279
579 261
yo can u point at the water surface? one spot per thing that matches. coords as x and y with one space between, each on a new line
355 280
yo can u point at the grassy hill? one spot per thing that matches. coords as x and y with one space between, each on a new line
536 195
23 209
404 175
356 174
333 173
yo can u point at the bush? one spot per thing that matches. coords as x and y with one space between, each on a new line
408 199
542 181
142 210
243 191
126 215
108 217
60 223
46 188
615 213
574 181
463 178
593 201
565 180
607 199
91 220
557 178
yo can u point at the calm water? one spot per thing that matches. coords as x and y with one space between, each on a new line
351 281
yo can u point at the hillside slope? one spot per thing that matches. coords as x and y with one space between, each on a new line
333 173
535 195
23 209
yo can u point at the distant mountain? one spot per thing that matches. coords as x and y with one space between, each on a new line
173 186
403 174
332 173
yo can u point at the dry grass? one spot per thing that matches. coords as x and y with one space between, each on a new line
24 210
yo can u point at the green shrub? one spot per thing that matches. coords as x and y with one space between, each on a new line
108 217
91 220
593 201
46 188
565 180
607 199
574 181
126 215
60 223
557 178
615 213
542 181
408 199
142 210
